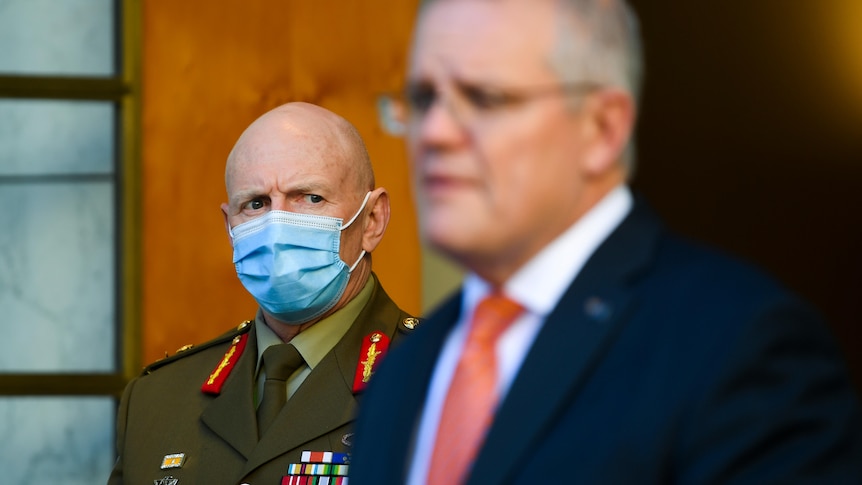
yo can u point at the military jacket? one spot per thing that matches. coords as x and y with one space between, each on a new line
190 419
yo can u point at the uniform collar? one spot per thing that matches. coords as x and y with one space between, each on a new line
317 340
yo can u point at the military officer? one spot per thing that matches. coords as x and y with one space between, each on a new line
303 217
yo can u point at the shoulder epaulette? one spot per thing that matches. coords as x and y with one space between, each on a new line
373 349
187 350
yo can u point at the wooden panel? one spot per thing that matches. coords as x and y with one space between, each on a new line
208 71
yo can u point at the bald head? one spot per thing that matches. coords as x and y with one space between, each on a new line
304 130
306 160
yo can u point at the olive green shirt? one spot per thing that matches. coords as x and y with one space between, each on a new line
312 343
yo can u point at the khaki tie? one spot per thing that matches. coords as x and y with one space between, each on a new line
279 362
469 406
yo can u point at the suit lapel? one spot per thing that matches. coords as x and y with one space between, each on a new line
579 331
231 414
394 438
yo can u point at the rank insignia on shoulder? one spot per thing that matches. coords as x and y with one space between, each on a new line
214 383
374 347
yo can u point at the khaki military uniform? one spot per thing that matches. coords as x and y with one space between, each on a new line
169 428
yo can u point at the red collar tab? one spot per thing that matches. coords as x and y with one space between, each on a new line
214 383
374 347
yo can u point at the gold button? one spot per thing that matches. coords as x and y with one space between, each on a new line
410 323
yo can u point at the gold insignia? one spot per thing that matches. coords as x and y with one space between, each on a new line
224 362
217 379
184 348
243 325
410 323
174 460
370 358
374 345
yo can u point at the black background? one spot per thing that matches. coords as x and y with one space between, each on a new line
750 139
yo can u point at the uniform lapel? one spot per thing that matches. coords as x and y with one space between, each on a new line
578 331
231 414
325 401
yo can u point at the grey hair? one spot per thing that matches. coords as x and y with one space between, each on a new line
599 42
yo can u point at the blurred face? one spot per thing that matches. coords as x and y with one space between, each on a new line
498 173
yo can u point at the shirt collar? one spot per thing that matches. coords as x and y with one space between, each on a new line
539 284
317 340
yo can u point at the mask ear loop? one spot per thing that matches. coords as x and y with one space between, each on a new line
361 208
361 255
364 201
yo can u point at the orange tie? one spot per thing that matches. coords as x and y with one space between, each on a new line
469 407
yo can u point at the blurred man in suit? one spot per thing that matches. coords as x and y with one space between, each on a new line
303 216
587 344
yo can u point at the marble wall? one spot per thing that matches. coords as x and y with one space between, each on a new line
51 37
56 440
56 137
57 278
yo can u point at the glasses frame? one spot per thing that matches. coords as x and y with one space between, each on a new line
467 103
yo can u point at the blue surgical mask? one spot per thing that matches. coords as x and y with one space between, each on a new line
289 262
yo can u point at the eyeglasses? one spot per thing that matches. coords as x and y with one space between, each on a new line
467 103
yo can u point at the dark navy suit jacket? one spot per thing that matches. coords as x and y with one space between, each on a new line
663 363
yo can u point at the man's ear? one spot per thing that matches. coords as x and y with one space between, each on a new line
224 211
376 219
612 115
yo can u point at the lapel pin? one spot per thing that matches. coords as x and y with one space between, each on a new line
597 309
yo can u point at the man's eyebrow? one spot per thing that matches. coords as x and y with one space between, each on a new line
306 187
243 195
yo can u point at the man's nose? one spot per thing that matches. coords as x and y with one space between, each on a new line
442 124
279 203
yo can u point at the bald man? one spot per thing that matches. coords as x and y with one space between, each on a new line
303 217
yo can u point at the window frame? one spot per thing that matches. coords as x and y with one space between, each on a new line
123 89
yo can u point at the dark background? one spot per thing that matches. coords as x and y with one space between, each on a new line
750 139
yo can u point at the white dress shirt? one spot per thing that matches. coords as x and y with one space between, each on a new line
538 287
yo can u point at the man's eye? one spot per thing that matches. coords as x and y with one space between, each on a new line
255 204
485 100
420 98
314 198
